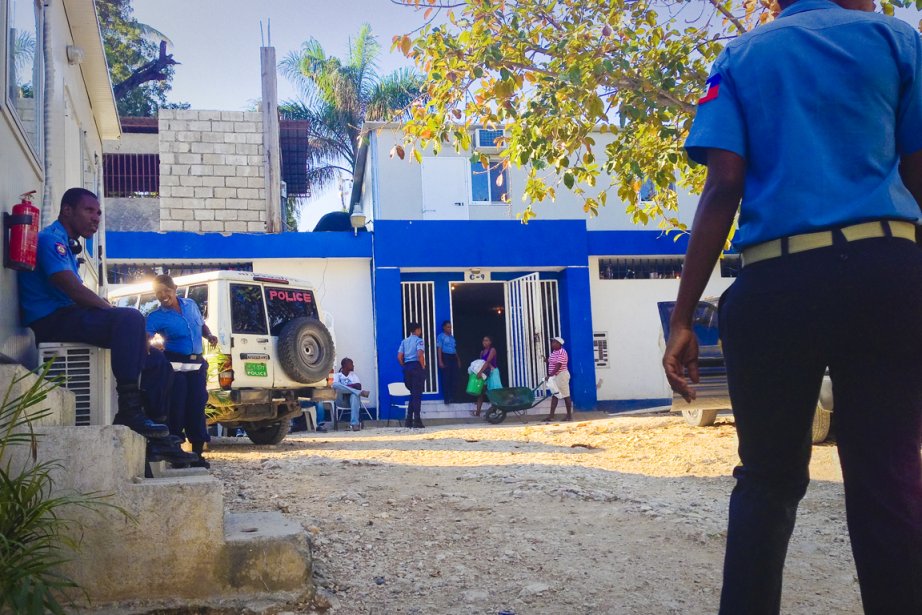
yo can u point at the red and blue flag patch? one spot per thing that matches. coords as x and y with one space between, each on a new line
713 84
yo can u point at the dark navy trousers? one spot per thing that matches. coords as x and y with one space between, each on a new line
414 377
857 308
187 412
122 331
450 376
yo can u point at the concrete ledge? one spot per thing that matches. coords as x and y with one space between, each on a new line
60 401
266 552
167 549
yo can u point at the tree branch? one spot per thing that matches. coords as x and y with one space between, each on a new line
730 17
152 71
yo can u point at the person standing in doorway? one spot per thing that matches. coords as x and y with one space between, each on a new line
412 357
489 370
449 363
557 369
826 173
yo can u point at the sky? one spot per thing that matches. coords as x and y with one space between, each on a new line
217 44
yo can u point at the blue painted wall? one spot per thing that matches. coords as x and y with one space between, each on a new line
190 246
508 243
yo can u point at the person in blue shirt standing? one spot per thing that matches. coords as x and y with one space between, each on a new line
179 323
56 305
412 357
449 363
811 127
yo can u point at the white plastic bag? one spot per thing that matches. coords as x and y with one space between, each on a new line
552 386
476 366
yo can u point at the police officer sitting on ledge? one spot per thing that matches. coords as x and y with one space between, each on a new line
57 306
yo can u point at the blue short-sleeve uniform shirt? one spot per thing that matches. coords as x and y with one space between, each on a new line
410 348
446 343
821 103
38 297
181 332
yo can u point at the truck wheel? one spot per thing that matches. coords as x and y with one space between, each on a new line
494 415
821 420
699 417
272 433
306 350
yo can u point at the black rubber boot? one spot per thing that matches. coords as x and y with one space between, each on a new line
166 449
198 448
417 421
409 422
131 415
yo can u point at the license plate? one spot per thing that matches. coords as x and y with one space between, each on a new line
256 369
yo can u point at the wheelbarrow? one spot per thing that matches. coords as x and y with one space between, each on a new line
517 400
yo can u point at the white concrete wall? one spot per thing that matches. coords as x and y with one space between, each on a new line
626 310
211 171
399 197
343 288
22 167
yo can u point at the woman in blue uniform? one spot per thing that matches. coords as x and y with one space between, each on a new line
179 322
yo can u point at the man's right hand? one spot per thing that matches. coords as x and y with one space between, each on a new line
681 354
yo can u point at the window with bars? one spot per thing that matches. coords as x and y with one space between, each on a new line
641 268
131 175
419 306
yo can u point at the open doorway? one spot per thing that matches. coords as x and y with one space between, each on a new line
479 309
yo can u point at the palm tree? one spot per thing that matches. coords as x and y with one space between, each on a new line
337 96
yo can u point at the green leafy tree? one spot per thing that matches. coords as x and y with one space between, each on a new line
337 96
556 72
139 66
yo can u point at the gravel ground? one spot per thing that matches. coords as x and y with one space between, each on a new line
609 515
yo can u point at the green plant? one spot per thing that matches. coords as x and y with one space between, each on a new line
36 537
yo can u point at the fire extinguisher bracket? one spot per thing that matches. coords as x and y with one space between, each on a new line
9 221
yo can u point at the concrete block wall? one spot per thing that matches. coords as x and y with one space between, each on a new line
211 171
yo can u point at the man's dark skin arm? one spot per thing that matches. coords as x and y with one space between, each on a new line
911 173
69 284
720 199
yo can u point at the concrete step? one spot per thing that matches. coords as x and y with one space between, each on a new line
165 538
60 402
161 469
266 551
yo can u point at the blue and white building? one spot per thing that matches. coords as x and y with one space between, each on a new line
444 245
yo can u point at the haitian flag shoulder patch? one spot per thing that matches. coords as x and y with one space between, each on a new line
713 90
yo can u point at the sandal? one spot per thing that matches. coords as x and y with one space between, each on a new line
475 413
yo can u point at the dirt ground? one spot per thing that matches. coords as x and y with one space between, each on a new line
604 516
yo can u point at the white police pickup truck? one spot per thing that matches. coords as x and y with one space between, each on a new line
276 347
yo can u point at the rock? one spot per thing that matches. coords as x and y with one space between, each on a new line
533 589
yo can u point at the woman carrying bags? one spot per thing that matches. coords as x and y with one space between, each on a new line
559 375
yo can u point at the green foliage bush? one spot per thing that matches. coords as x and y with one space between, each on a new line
36 533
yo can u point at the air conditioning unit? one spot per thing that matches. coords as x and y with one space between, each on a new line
485 139
84 370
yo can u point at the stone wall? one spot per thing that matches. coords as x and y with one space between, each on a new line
211 171
134 214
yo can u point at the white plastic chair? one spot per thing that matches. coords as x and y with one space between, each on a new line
342 407
399 389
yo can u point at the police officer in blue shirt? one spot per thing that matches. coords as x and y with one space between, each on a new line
58 308
811 126
179 323
449 363
412 357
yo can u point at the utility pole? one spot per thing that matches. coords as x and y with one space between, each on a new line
272 158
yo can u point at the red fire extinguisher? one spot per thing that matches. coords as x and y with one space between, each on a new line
23 229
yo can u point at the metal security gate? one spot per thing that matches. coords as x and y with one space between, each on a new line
419 306
532 319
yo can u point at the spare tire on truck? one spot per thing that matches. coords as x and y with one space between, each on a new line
306 351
